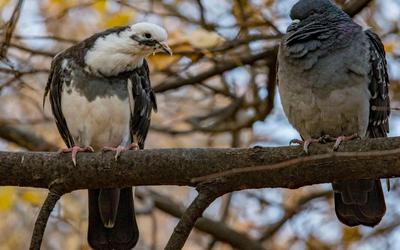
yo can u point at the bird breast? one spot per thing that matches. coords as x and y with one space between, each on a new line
330 98
97 112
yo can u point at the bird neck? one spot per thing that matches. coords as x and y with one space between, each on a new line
106 64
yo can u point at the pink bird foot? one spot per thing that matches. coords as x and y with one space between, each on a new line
118 150
306 144
75 150
343 138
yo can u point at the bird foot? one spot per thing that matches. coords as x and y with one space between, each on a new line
118 150
75 150
306 144
343 138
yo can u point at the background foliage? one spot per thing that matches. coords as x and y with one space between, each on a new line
217 90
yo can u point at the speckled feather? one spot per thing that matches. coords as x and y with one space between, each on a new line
93 106
333 81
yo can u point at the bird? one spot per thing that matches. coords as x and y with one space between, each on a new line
101 98
334 86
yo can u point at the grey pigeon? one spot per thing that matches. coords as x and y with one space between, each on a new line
333 83
101 98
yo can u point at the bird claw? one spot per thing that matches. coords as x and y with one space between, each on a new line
343 138
296 141
118 150
306 144
75 150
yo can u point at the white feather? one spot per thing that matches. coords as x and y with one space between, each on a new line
118 52
102 122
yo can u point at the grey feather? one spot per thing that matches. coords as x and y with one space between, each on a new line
333 81
89 121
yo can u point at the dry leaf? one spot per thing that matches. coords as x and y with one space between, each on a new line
6 198
35 198
203 39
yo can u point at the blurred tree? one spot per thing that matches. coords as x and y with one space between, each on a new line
218 90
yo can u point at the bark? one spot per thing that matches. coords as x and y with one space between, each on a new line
356 6
213 171
230 169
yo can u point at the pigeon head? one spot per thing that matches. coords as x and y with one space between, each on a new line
150 38
124 48
305 9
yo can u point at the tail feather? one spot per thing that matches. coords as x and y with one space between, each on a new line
108 205
359 202
124 234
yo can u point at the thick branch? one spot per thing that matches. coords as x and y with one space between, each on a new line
43 217
24 138
179 166
189 217
356 6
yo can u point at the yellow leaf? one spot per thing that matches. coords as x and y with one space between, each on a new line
390 47
119 19
100 6
181 47
350 235
203 39
56 7
34 197
187 49
6 198
161 62
71 208
4 3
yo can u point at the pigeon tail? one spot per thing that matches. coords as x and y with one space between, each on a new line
112 222
359 202
108 205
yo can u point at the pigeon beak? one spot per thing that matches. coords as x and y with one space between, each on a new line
165 48
295 21
293 25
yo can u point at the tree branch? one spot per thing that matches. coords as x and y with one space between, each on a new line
219 170
9 30
43 217
217 229
181 232
291 212
24 138
356 6
217 70
179 166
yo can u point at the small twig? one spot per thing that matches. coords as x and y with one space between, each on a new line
202 12
10 29
174 83
189 218
217 229
55 38
43 217
290 212
295 161
33 51
154 229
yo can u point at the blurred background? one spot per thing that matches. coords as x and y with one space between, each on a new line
217 90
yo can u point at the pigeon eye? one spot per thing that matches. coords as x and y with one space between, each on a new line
147 35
